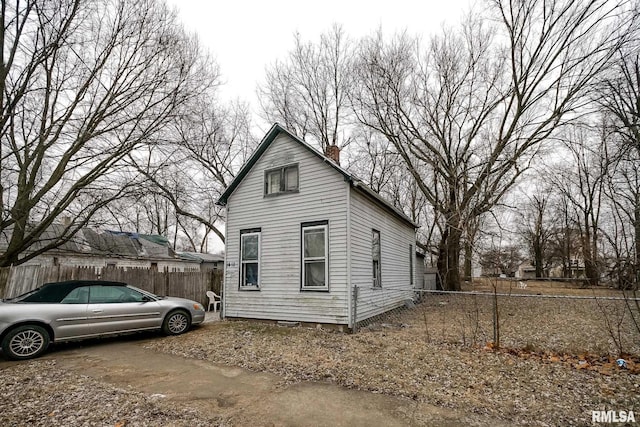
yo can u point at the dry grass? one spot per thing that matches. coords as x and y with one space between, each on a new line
434 353
536 287
555 325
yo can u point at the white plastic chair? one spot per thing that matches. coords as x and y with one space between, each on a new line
214 299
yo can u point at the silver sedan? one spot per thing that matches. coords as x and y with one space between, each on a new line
79 309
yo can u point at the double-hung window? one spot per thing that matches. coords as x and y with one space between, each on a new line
375 254
250 259
315 256
281 180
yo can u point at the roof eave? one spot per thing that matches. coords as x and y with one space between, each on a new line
385 204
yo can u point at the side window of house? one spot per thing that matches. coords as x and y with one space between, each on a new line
250 259
281 180
411 256
315 256
375 254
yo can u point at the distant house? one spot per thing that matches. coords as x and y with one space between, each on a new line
573 269
302 233
208 262
526 271
104 249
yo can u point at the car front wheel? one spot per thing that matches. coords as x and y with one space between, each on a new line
25 342
176 323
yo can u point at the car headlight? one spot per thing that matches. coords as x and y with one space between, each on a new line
198 307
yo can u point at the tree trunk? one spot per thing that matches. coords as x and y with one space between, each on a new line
539 262
637 242
449 259
16 242
468 253
567 236
589 255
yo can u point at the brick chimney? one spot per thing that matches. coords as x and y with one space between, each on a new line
333 153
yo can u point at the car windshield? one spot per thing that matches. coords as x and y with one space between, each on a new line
20 297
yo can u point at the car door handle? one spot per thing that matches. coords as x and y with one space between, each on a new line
97 310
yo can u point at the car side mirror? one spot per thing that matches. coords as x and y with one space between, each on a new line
146 298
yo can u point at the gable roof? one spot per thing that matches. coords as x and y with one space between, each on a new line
204 257
355 182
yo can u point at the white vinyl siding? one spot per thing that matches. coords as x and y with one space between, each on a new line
321 196
395 269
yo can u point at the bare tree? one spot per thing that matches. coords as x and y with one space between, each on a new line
537 226
307 93
374 160
619 92
582 182
480 104
622 188
82 85
195 162
503 259
620 97
565 244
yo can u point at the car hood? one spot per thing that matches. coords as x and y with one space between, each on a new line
177 299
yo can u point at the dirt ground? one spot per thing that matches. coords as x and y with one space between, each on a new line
238 396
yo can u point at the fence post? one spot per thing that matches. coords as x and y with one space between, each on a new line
5 276
165 280
496 319
354 322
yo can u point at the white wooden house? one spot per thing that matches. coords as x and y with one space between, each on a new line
302 232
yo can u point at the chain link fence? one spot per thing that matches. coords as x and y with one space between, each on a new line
572 324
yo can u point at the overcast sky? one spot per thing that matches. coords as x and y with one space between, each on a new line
245 36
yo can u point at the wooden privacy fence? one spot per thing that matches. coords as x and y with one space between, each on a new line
189 284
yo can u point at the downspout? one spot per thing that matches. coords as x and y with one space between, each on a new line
351 321
223 305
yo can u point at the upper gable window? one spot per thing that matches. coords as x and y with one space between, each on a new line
281 180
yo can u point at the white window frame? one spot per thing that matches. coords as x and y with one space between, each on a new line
242 282
282 171
325 227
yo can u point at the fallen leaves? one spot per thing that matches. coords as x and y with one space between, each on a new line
29 390
603 364
513 385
